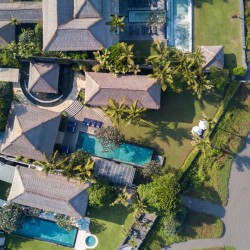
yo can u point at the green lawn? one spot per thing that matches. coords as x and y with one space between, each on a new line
172 124
108 224
213 25
14 242
229 136
218 248
195 226
3 188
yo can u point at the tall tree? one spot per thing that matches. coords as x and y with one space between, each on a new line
162 194
204 144
133 113
115 110
116 23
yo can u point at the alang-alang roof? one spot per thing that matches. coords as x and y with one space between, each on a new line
49 192
30 132
73 25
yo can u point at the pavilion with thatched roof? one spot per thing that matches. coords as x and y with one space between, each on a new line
44 77
30 132
213 55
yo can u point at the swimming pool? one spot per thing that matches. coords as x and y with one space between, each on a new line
138 16
47 231
127 152
179 25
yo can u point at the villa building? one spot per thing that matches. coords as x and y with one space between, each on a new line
102 86
49 192
30 132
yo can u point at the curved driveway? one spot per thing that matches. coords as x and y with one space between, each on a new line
236 216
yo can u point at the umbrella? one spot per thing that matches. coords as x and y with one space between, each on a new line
196 130
203 124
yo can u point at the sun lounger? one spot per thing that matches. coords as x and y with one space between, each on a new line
143 29
84 121
93 123
64 150
71 123
88 123
130 30
98 124
137 30
154 3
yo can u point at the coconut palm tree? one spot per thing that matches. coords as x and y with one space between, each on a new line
122 198
162 53
163 74
133 114
116 23
139 207
203 144
84 173
115 110
52 164
211 122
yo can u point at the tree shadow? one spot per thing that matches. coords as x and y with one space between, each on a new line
96 226
164 132
230 60
198 3
116 214
242 163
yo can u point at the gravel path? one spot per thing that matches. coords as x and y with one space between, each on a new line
237 212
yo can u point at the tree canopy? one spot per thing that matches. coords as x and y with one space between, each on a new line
162 195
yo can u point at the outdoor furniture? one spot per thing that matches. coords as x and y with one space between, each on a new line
137 30
93 123
150 30
130 30
98 124
71 123
154 30
88 123
147 3
84 121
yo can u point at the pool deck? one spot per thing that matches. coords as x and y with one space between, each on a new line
80 238
70 139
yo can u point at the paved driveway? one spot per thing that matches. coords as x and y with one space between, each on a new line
236 215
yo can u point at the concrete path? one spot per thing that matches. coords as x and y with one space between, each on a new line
237 212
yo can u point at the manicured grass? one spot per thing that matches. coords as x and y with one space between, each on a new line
195 226
229 136
218 248
213 25
170 129
108 224
3 188
14 242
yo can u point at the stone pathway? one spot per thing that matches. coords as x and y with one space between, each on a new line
237 212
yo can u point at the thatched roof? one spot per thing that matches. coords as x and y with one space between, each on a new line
30 132
73 25
7 33
43 77
24 12
102 86
51 193
214 56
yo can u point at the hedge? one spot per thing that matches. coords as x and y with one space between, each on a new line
231 91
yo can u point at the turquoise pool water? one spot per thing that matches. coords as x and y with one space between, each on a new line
138 16
46 231
90 241
127 153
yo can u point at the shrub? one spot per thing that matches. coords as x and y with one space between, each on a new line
152 168
101 194
239 71
63 122
65 222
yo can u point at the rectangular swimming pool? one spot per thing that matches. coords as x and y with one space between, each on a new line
47 231
138 16
127 152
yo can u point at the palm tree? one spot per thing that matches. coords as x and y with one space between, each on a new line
211 122
102 57
133 242
52 164
115 110
134 113
139 208
162 53
122 198
203 144
117 23
85 173
163 74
